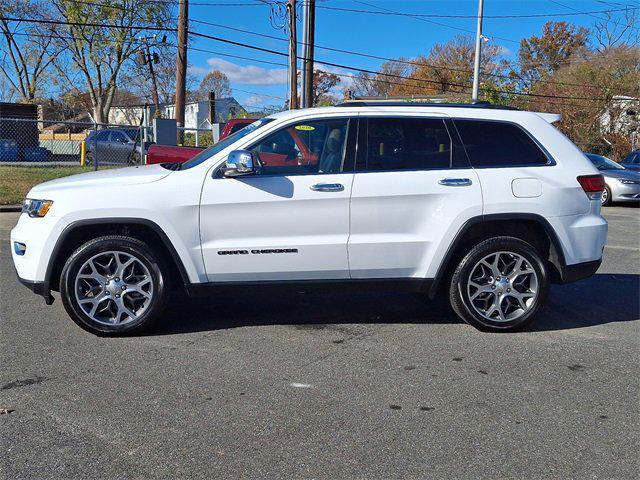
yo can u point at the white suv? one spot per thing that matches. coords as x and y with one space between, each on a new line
487 205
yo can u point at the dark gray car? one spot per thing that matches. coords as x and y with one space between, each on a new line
621 184
114 146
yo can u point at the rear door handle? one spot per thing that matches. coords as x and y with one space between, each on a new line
327 187
455 182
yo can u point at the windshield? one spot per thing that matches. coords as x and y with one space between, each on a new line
222 144
603 163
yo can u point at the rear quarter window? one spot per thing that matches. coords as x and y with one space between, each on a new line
499 144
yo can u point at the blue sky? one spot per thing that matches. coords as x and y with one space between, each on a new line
382 35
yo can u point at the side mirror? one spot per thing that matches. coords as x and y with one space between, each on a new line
239 162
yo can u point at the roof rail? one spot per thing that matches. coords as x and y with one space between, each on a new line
412 103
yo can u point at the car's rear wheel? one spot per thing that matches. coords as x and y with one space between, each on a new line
606 196
500 285
113 285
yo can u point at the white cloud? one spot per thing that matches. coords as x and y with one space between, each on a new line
249 74
254 100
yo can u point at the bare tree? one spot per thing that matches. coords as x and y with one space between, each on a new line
28 50
381 84
617 28
99 53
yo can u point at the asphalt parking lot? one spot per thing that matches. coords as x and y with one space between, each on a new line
326 386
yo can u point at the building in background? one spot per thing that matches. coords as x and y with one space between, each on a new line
201 114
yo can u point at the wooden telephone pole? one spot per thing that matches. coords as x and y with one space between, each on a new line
181 68
293 55
309 22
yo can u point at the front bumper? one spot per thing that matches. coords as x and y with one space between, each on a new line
621 192
39 288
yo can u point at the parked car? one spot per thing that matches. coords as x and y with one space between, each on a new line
173 154
170 154
235 124
621 185
632 161
113 146
484 204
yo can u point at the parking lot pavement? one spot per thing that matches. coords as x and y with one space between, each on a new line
326 386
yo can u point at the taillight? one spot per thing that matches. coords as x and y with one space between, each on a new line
593 185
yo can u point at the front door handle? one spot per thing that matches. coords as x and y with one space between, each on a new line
455 182
327 187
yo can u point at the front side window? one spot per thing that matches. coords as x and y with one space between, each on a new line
118 137
102 136
310 147
407 144
498 144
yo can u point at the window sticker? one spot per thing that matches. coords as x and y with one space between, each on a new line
304 127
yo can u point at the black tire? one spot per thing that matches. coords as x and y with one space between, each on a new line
459 293
126 245
606 196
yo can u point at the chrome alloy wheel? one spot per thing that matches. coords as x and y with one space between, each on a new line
502 286
604 197
113 288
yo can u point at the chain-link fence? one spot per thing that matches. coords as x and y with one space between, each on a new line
34 151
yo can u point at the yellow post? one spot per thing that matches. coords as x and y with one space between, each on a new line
83 153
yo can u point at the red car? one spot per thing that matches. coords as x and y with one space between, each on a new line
173 154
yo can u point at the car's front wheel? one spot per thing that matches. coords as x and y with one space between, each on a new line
113 285
500 285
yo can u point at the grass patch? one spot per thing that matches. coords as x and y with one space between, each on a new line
15 182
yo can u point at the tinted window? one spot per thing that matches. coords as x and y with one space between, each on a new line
304 148
237 126
407 144
118 137
102 136
498 144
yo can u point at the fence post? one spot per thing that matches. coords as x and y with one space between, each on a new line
143 153
95 146
197 137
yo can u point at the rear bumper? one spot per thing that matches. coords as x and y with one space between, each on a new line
39 288
579 271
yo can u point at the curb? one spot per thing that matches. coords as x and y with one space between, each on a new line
10 208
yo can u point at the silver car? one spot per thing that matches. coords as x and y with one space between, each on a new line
621 184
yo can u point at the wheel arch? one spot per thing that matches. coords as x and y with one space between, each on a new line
80 231
527 226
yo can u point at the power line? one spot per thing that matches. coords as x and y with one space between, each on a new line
275 52
432 21
349 67
439 15
378 57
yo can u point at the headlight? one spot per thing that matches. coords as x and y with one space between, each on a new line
36 208
629 182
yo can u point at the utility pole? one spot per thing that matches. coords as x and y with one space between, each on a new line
146 57
181 68
309 38
293 55
150 61
476 63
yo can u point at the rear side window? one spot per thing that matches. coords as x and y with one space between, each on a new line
498 144
407 144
